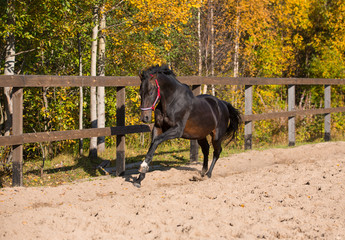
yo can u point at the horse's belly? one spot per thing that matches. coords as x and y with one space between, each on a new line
202 120
198 128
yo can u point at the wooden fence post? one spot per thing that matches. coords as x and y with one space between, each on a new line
17 126
327 93
248 94
120 139
291 121
194 146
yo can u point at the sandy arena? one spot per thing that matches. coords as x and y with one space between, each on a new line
294 193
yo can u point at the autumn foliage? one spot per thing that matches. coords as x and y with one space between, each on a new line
254 38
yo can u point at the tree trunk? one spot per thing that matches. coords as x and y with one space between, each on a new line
10 59
199 41
101 90
81 97
93 100
237 43
204 91
212 45
207 40
46 121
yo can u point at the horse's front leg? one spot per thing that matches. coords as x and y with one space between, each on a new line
156 131
171 133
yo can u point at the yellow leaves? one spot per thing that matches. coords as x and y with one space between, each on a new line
154 13
149 55
107 6
144 34
167 45
294 14
297 40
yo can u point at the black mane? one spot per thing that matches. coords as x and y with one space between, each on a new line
164 69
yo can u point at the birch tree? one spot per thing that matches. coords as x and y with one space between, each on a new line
212 43
101 70
199 43
81 96
237 41
9 66
93 92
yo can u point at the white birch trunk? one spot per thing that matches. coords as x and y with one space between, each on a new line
10 59
93 100
212 46
199 41
207 41
101 90
237 44
81 97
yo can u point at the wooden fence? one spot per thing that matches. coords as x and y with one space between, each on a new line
18 138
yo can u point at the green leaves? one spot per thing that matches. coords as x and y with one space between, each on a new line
329 63
267 38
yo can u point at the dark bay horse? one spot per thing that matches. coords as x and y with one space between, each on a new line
179 114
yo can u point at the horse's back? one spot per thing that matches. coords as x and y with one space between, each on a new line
219 107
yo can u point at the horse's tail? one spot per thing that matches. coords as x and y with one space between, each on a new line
235 121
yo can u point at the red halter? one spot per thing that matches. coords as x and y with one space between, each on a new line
157 98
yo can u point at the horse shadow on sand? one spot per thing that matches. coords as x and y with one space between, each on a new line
179 163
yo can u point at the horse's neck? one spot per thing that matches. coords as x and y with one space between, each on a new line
171 89
170 86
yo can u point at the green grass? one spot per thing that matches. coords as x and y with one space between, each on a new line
69 167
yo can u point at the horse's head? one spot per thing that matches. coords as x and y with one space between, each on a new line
149 93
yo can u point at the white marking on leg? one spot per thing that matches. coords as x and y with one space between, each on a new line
144 164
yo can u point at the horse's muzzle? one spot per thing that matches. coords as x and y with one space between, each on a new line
146 116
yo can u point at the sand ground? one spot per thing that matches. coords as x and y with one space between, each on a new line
294 193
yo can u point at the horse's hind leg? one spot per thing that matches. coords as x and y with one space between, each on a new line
205 147
217 146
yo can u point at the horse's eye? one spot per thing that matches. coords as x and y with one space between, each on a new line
152 90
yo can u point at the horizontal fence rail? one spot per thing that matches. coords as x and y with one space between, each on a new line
72 134
18 82
113 81
266 116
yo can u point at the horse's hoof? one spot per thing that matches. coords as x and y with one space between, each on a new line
203 172
138 185
196 179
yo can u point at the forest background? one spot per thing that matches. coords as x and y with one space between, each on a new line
248 38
